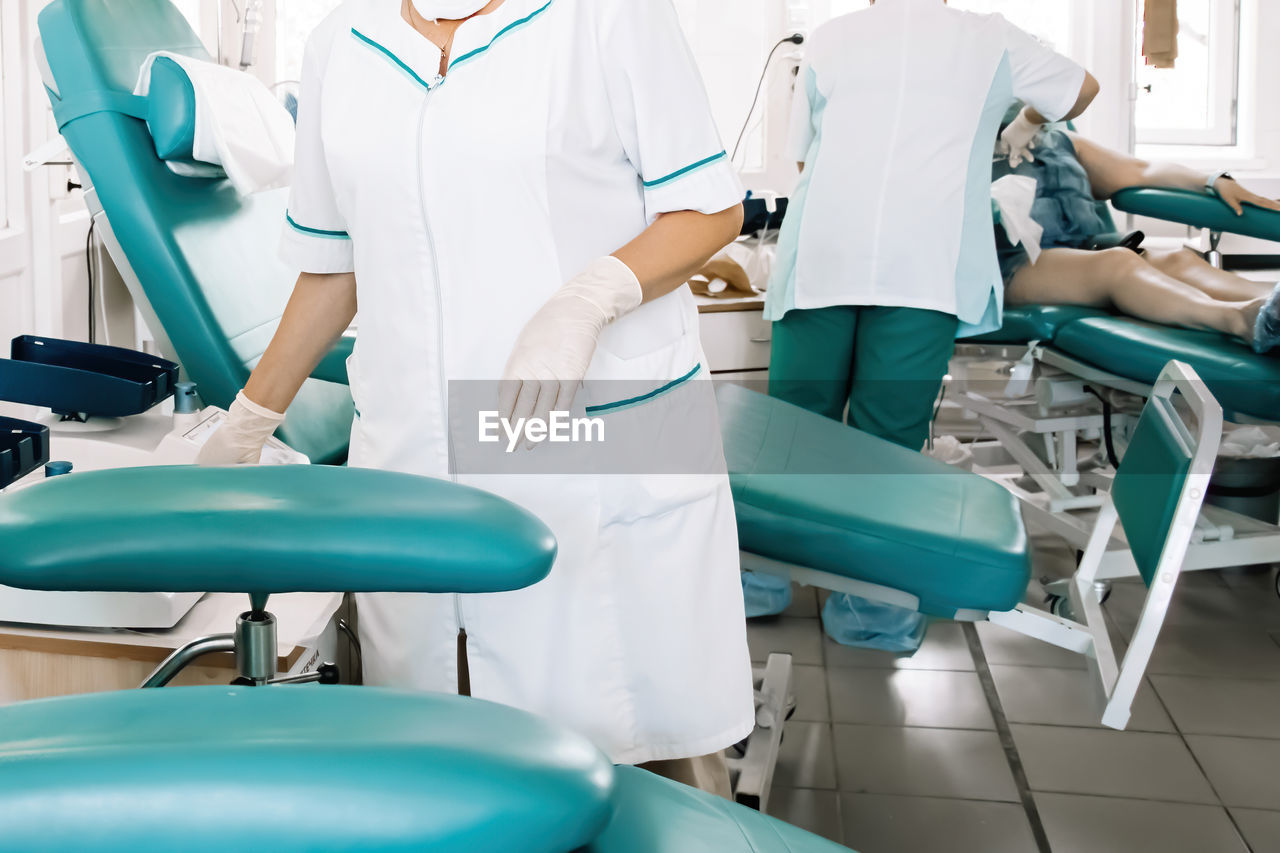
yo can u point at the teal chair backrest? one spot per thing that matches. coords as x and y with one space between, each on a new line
203 255
1162 480
1149 483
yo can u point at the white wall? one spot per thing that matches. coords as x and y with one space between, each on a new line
1102 41
44 225
43 284
1262 92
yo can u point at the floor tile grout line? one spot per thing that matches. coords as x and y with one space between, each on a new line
830 721
1182 737
1202 677
1006 738
1177 731
1239 832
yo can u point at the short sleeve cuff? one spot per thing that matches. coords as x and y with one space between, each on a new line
706 186
1068 100
316 250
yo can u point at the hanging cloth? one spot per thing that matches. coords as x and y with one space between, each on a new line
1160 33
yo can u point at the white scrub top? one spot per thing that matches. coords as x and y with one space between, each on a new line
563 128
895 117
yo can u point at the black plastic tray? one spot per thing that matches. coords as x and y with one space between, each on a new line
756 216
70 377
24 447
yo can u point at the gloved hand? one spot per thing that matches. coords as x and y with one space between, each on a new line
1017 140
240 439
552 353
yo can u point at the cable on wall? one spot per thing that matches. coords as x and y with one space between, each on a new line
794 38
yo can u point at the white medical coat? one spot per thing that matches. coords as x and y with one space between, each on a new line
895 117
563 128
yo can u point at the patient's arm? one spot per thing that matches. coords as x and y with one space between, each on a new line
1110 171
319 311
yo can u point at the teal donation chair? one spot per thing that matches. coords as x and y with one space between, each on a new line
302 767
828 506
1085 351
1126 353
199 260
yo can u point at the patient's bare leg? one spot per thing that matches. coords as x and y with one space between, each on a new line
1123 279
1187 266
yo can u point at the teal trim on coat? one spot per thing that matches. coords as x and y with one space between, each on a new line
679 173
515 25
618 406
391 56
316 232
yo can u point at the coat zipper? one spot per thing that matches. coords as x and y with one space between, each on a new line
435 261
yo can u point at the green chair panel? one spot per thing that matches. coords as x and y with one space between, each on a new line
1148 484
656 815
1242 381
205 256
293 770
268 529
811 491
1199 209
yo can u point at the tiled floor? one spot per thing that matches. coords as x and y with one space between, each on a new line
912 755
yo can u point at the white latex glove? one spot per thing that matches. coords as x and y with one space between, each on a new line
244 432
552 353
1017 140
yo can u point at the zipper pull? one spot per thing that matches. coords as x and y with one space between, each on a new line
436 81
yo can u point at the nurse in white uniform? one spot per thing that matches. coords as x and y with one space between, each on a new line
887 253
518 189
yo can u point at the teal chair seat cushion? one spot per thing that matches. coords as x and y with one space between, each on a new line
317 768
294 528
1242 381
1198 209
654 815
1025 323
814 492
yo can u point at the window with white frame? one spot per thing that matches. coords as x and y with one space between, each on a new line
295 19
1193 103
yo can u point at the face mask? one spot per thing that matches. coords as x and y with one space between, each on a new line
448 10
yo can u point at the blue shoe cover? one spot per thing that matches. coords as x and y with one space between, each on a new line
854 621
765 595
1266 329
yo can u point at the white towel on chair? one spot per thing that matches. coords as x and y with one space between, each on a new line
239 125
1014 195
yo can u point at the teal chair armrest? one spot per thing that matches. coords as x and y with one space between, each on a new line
263 530
333 367
1199 209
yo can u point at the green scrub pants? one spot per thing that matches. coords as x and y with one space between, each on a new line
887 364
